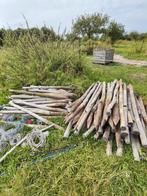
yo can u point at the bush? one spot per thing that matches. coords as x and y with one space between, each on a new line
138 46
89 45
34 62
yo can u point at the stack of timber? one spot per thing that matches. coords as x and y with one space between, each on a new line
112 112
41 102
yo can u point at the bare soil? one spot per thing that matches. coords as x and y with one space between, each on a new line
120 59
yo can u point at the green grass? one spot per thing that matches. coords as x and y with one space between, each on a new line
127 49
85 170
137 76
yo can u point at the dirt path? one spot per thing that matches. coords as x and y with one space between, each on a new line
120 59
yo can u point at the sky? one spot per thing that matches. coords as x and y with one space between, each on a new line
131 13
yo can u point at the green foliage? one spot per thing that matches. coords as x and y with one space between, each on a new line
85 170
48 34
34 62
139 41
139 46
89 45
137 76
132 49
115 31
90 26
9 39
71 37
134 35
2 34
8 36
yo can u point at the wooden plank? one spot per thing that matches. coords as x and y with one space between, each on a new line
35 115
143 136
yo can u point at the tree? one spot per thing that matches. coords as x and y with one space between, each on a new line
71 37
134 35
90 26
48 34
2 34
115 31
138 39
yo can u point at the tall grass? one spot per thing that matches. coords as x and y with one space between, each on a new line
34 62
85 170
132 49
89 45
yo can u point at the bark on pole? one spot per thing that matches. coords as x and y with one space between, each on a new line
115 114
88 108
110 89
35 115
34 110
111 124
123 123
90 119
88 132
68 130
76 103
143 136
51 95
76 118
47 87
80 104
113 101
134 141
110 109
143 111
39 106
119 142
106 134
99 112
109 146
125 105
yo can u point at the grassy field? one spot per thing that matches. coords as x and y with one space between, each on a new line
85 169
128 49
137 76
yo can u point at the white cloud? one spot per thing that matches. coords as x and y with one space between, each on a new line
131 13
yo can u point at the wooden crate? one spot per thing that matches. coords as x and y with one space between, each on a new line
103 56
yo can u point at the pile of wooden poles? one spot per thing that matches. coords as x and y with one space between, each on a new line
41 102
113 112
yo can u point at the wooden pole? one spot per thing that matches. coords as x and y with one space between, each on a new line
51 95
88 109
143 111
39 106
35 115
68 130
20 142
143 136
123 125
119 142
134 141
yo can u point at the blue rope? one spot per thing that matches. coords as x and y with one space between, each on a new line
57 152
50 155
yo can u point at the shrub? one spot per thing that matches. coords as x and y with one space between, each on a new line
34 62
89 45
138 46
